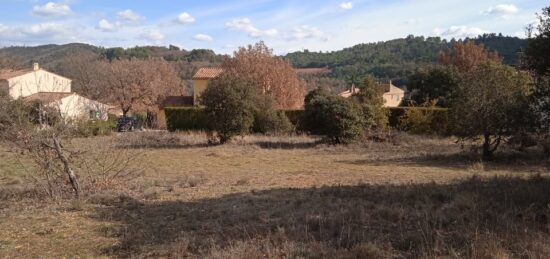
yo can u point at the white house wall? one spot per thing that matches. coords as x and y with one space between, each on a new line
38 81
76 107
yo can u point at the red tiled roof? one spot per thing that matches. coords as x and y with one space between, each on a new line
46 97
6 74
208 73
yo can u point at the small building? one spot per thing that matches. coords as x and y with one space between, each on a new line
393 95
201 79
49 89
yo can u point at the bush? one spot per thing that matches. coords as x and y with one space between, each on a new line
185 119
267 120
230 105
425 120
339 119
371 100
420 120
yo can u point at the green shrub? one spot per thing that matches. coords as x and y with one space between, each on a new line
268 120
185 119
371 100
339 119
230 104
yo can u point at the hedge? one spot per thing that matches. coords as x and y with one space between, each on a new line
428 120
185 118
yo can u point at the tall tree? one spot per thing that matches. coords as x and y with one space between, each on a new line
536 59
230 104
467 56
139 85
268 74
84 71
436 83
492 102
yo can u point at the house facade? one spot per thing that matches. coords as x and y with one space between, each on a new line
393 95
49 89
201 79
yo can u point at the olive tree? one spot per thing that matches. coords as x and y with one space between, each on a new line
339 119
491 103
230 104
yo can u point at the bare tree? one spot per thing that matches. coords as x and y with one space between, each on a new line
270 75
83 70
138 85
19 129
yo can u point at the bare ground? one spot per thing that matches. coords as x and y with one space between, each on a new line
288 197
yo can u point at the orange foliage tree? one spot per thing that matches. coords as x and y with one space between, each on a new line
467 56
268 74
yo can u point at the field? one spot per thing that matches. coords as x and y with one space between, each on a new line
286 197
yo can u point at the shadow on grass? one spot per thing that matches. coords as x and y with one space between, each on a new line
461 160
461 219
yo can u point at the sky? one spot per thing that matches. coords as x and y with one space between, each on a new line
284 25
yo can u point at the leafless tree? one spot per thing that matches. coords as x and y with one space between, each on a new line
138 85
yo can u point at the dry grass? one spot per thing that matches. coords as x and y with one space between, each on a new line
288 197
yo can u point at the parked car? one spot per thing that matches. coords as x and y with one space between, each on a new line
124 124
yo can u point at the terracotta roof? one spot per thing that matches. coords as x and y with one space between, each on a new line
46 97
177 101
208 73
6 74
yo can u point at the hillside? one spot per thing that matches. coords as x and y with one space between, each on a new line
397 58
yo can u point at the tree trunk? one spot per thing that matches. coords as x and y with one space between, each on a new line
67 167
487 151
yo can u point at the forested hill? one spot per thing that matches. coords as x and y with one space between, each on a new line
50 56
397 58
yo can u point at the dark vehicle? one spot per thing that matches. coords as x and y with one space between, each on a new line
126 124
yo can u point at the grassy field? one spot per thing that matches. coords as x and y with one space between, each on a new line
286 197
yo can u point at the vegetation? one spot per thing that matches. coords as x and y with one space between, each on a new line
436 83
185 119
268 75
372 103
397 59
339 119
536 60
491 102
229 106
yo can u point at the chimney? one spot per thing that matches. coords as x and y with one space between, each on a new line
35 66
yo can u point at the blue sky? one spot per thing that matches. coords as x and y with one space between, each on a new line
285 25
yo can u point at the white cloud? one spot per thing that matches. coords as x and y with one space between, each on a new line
346 5
306 32
459 31
3 28
502 9
202 37
107 26
185 18
413 21
130 17
51 9
153 35
246 25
